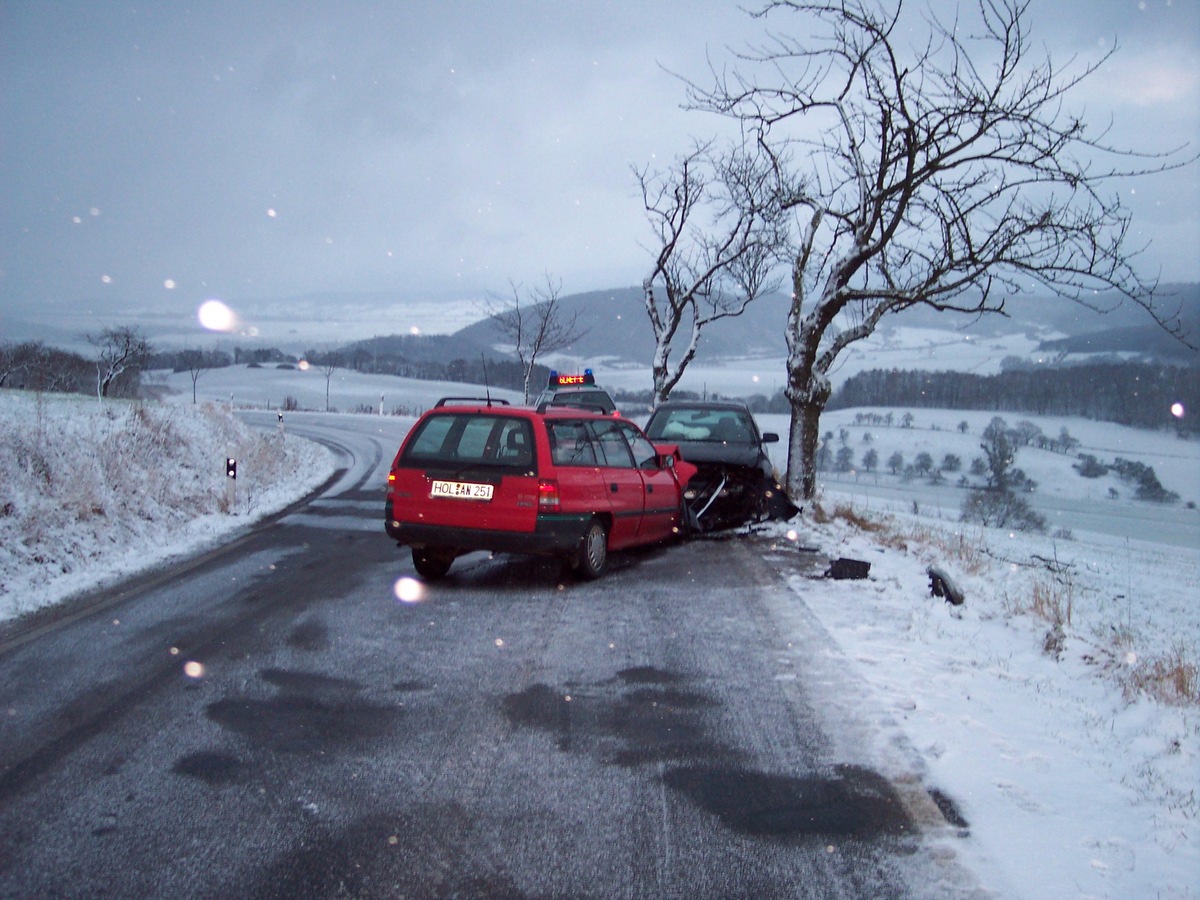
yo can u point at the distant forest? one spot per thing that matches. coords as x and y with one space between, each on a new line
1133 394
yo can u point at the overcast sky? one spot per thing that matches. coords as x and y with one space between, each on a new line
161 153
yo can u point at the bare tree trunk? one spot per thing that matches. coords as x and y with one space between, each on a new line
804 439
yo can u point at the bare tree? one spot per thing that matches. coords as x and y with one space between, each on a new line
11 361
948 174
329 364
536 323
119 351
196 363
718 232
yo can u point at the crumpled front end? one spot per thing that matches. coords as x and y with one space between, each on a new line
723 496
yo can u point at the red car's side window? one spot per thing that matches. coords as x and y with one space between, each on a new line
644 454
571 444
613 449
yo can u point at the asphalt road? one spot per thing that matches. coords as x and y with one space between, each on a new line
283 718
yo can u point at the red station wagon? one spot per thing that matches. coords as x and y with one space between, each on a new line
479 475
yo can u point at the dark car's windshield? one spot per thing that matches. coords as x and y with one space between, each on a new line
725 426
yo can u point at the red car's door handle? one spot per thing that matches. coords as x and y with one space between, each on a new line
613 487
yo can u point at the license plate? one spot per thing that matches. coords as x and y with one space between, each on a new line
463 490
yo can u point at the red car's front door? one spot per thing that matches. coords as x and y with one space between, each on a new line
622 482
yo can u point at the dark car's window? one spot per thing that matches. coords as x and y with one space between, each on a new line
644 454
571 444
613 449
716 425
463 439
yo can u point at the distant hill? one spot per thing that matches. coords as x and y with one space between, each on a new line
616 325
1130 329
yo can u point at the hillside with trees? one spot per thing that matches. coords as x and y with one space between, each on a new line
1126 393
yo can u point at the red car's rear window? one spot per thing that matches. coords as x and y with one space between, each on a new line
464 439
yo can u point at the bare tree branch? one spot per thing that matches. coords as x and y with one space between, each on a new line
718 230
119 351
536 323
946 172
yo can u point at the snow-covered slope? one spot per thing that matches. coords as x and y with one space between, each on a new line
91 492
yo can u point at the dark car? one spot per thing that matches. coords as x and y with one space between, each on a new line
580 391
478 475
736 482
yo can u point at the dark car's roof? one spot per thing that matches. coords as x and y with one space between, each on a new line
730 405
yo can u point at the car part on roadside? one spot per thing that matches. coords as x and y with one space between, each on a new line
843 568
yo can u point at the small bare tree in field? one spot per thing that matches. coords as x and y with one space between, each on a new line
536 323
718 232
119 350
196 363
928 162
329 364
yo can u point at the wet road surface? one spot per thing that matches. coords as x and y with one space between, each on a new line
276 721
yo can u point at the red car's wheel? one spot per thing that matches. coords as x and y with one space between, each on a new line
593 551
430 564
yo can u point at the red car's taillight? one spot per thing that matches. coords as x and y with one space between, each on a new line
548 499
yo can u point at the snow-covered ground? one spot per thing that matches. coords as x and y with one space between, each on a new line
1073 754
91 493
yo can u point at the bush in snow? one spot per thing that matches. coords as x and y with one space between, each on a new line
1001 509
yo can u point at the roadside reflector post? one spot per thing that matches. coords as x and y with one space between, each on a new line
280 414
231 479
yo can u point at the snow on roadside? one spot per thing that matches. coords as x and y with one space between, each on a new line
1067 752
91 493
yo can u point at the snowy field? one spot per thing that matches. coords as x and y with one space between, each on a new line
1057 707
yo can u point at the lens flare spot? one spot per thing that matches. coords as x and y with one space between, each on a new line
169 284
793 535
193 669
271 213
1177 410
499 642
302 365
216 316
409 590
